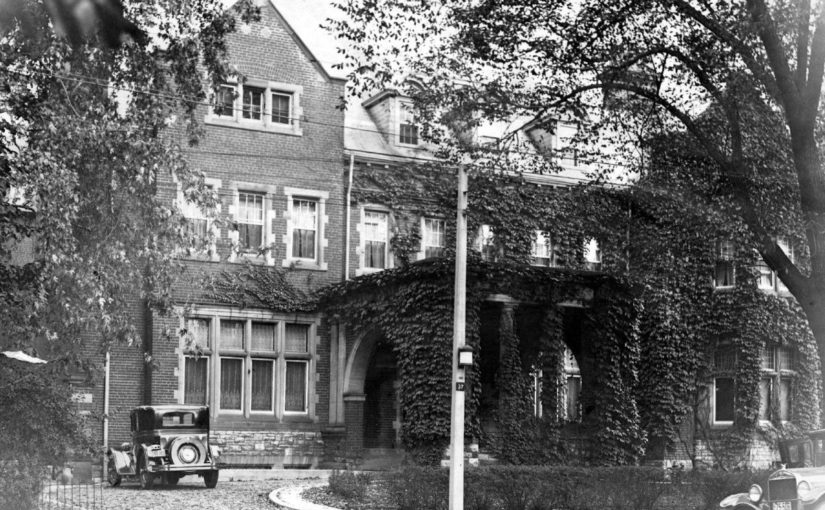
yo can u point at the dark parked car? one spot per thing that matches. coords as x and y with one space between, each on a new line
168 442
799 485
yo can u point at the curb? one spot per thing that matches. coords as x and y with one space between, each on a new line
290 498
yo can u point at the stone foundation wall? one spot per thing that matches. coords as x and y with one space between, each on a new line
759 455
275 449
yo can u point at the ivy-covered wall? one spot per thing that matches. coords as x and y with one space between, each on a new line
646 337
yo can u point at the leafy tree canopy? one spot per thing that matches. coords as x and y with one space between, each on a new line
736 84
87 130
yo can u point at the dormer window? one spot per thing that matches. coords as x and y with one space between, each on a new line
407 129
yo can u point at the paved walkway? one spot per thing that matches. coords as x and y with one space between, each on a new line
290 497
239 489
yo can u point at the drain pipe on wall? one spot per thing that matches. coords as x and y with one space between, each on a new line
348 216
105 412
106 402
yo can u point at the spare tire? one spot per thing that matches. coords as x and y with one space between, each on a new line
187 451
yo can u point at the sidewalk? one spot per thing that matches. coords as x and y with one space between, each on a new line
290 497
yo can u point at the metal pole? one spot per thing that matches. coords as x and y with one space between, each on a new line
457 381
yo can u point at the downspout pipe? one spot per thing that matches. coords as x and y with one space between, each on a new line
348 216
106 378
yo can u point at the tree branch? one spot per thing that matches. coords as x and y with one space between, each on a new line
788 93
815 71
803 17
728 37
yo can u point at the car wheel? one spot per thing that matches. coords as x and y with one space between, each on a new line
172 479
112 475
147 479
210 479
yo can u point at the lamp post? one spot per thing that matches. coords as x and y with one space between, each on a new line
462 355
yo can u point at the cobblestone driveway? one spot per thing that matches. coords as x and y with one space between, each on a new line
190 493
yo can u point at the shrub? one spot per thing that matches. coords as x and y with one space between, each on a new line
349 485
532 488
39 426
419 488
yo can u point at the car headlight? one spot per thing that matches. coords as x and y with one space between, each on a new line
755 493
803 490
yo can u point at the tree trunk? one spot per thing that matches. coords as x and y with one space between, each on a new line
812 301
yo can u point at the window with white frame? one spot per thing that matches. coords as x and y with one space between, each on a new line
375 233
544 252
407 128
485 243
778 371
563 143
433 237
257 104
249 221
199 225
767 278
785 246
304 239
304 216
724 386
592 255
723 276
261 366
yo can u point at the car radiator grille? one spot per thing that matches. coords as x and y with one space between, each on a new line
782 489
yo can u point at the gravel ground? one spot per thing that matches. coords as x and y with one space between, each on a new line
190 493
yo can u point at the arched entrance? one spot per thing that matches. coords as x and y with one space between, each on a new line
371 397
381 410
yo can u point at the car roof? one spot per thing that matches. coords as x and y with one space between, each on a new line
171 407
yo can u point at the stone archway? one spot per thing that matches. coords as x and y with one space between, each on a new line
371 403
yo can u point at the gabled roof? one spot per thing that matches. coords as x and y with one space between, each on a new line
303 19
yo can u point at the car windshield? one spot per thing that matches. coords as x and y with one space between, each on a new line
184 419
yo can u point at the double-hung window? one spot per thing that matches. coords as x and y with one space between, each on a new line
376 239
433 237
304 228
767 278
544 251
199 234
592 255
724 386
485 243
724 274
254 367
304 239
281 108
296 351
407 128
250 221
257 104
253 102
778 371
196 362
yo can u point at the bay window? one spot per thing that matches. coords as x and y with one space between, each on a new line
257 365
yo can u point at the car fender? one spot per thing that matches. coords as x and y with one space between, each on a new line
740 501
123 461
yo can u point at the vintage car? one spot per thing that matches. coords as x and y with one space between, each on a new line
168 442
798 485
